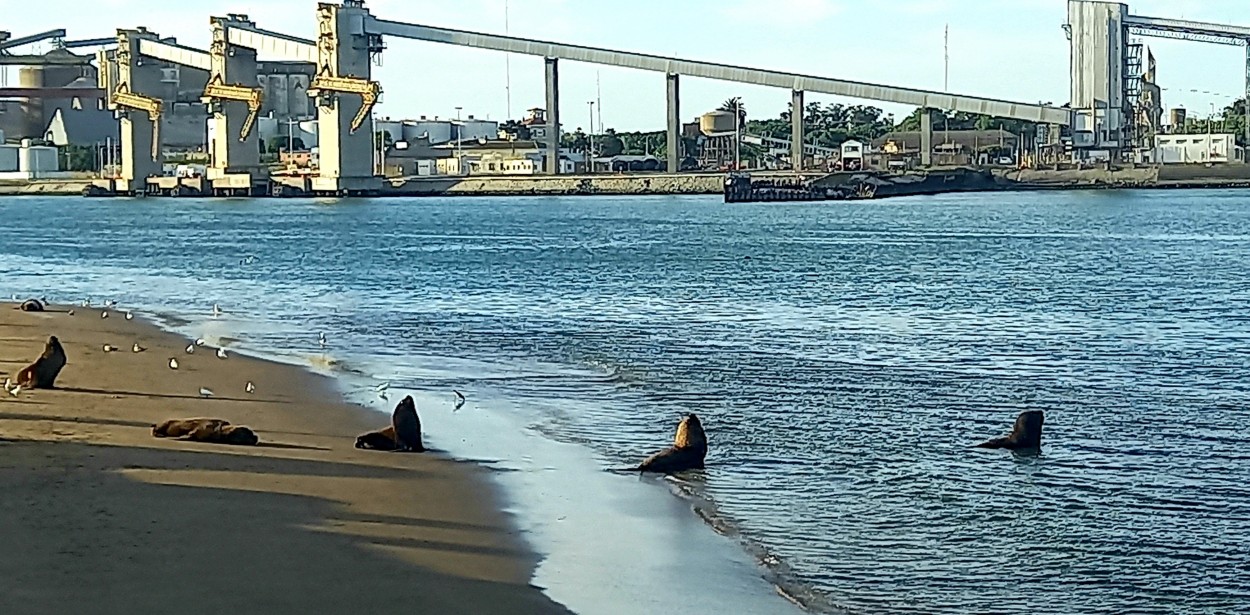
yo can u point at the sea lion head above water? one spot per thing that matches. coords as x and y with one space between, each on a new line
690 432
1026 434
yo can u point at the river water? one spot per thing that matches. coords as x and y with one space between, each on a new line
843 358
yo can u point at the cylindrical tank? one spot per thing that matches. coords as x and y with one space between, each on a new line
37 159
716 122
8 158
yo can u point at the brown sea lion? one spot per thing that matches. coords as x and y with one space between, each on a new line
1026 435
225 434
43 372
31 305
407 426
688 451
177 428
382 440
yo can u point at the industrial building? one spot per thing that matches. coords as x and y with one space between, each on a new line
1197 149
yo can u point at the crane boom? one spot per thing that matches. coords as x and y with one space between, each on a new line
123 97
254 97
369 92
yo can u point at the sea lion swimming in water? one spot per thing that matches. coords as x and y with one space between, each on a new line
407 426
43 372
382 440
687 453
1026 435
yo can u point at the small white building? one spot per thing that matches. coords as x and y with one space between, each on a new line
1196 149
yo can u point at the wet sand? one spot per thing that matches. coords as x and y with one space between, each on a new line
96 513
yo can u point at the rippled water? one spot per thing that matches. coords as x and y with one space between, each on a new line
842 356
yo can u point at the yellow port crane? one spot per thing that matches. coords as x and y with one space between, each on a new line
217 90
369 92
123 97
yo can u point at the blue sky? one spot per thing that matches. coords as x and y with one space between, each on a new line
1010 49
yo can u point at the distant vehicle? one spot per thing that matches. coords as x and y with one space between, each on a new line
1004 160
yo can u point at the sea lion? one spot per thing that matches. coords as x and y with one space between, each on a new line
225 434
687 453
1025 435
31 305
382 440
407 426
43 372
177 428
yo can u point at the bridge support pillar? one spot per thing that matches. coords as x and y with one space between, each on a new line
926 137
674 124
796 130
553 117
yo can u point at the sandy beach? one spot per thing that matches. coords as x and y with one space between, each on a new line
99 516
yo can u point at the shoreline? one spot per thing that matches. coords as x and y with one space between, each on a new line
302 521
713 184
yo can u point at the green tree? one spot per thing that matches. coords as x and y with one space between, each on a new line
609 143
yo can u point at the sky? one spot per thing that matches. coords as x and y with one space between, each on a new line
1007 49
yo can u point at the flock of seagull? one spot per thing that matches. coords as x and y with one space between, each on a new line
381 389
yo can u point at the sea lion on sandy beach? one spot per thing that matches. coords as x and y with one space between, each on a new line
31 305
1026 435
225 434
407 426
382 440
687 453
177 428
43 372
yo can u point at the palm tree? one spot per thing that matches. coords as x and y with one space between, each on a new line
735 103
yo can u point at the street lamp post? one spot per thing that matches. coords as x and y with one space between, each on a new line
590 148
459 144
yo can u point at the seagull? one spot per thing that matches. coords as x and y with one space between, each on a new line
323 339
15 297
109 348
205 392
199 342
216 310
190 348
8 384
459 399
173 364
137 348
15 390
384 396
110 303
104 314
71 312
382 387
250 388
86 303
130 316
221 353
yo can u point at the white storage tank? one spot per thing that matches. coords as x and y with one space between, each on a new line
8 158
38 159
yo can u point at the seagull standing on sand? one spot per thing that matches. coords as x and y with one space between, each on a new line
71 312
190 348
199 341
250 388
459 399
104 314
221 353
109 348
205 392
173 364
15 390
130 316
137 348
